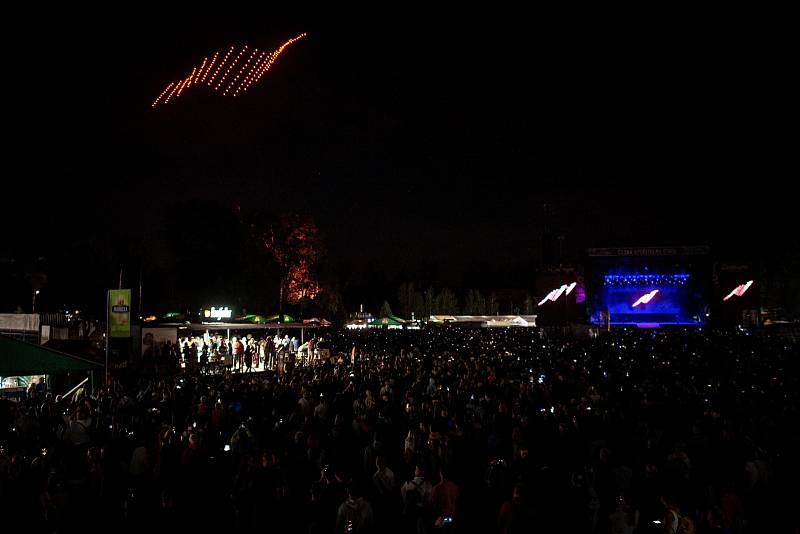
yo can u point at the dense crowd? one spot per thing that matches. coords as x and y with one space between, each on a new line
215 353
438 430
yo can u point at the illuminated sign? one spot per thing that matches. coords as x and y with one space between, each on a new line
650 251
119 304
218 313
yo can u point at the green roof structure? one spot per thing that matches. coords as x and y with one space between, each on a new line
389 320
21 358
286 318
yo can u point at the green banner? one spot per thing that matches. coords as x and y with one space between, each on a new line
119 312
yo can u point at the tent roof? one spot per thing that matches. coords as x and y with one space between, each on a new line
388 320
316 320
76 347
20 358
286 318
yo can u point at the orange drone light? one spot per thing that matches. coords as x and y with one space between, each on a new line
232 71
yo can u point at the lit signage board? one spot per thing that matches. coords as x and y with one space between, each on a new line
217 314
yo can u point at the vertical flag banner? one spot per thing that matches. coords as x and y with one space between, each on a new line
119 312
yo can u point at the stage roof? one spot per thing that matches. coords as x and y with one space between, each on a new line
237 326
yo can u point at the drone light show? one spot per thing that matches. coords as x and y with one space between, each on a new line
229 72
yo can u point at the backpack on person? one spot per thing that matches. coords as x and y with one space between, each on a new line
685 524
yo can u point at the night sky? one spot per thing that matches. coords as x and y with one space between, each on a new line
426 149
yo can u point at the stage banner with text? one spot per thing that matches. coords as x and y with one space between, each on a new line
119 312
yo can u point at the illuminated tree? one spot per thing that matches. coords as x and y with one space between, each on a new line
294 242
299 283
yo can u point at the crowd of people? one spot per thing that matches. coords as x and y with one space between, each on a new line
215 353
438 430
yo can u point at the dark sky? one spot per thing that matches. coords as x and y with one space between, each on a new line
425 148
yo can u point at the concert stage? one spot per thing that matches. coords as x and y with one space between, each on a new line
648 287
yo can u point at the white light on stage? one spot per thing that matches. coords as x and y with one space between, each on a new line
644 299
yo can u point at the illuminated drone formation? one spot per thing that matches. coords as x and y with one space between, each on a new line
229 72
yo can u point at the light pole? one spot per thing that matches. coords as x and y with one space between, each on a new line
33 307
